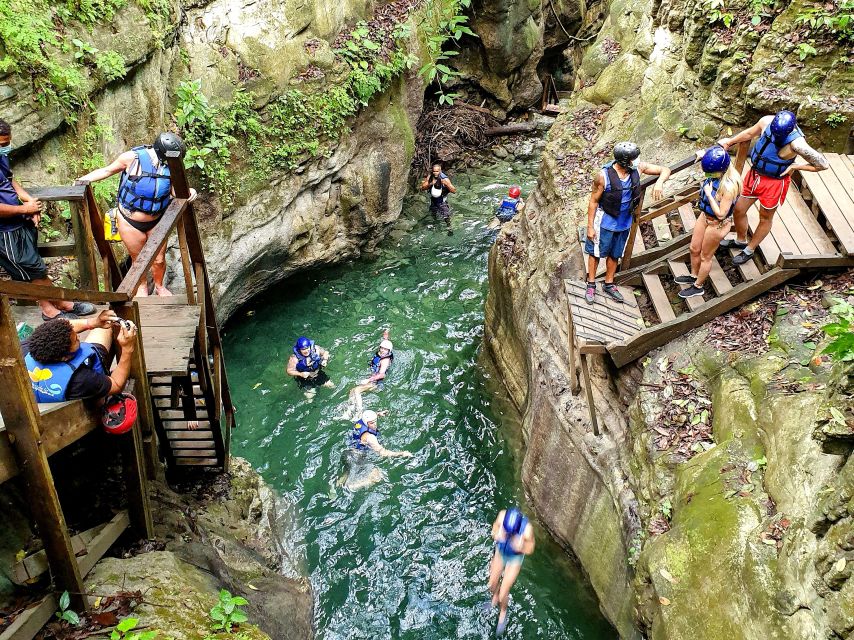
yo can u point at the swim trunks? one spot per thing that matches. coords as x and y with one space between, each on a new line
771 192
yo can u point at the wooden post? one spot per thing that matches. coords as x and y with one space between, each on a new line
112 273
589 389
573 371
741 155
136 482
630 243
83 244
22 419
186 263
145 416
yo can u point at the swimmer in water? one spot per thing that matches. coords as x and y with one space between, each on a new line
365 437
439 185
514 539
380 363
306 366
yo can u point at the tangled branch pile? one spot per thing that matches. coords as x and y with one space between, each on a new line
445 134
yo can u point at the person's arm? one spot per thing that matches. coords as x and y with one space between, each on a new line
103 320
31 208
447 183
817 162
122 163
291 369
496 526
747 135
595 196
23 194
119 375
374 444
527 546
425 184
379 375
663 174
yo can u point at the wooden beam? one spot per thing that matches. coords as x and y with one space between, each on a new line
681 249
59 249
136 482
23 424
589 391
821 261
571 349
58 194
29 291
30 622
105 539
186 263
112 273
87 266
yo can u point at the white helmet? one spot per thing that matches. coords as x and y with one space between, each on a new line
386 344
369 416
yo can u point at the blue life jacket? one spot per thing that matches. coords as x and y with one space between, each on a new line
505 547
151 190
507 209
617 201
764 156
704 204
377 359
50 381
309 363
360 429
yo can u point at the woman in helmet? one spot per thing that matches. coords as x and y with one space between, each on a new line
145 192
514 539
718 196
510 205
359 471
306 366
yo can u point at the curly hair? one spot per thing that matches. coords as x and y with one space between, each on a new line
51 341
5 128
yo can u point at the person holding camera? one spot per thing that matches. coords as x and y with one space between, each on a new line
63 367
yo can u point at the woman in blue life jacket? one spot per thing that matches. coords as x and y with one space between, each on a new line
509 206
773 160
514 539
359 471
145 192
439 185
306 366
719 194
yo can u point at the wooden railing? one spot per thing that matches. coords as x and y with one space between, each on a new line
668 204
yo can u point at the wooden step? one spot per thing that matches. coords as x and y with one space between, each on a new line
658 297
165 392
167 300
749 271
199 434
720 283
181 425
662 230
688 218
178 414
197 462
681 269
194 453
191 444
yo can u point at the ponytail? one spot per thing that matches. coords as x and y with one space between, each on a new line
730 184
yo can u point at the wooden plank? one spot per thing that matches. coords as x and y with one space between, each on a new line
648 339
198 453
571 349
843 177
819 261
620 322
658 297
29 291
717 277
662 230
189 435
30 622
809 223
87 265
803 239
588 388
193 444
23 424
58 249
628 311
688 217
681 269
181 425
833 213
112 273
749 271
178 299
35 564
663 208
58 194
678 247
197 462
136 482
105 539
768 247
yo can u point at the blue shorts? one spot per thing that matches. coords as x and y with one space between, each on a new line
607 244
510 558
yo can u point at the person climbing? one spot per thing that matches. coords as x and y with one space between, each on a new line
306 366
772 161
440 186
20 214
359 471
145 192
510 205
63 367
718 197
514 539
615 196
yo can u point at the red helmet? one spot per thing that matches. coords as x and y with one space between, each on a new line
515 192
119 413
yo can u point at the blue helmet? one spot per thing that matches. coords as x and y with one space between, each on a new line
513 521
782 125
302 343
715 160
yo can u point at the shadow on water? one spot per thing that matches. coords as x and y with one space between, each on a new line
406 558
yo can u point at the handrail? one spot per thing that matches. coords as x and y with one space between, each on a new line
29 291
54 194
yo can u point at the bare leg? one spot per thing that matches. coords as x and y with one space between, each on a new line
51 307
592 265
610 269
511 572
766 218
158 269
697 243
134 241
711 241
103 337
739 216
495 569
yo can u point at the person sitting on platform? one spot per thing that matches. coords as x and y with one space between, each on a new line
145 192
62 367
19 237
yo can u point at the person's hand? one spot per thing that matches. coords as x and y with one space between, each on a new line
789 171
365 381
699 155
383 413
105 319
324 362
725 143
305 375
126 338
405 454
33 206
708 191
36 218
657 191
591 233
193 195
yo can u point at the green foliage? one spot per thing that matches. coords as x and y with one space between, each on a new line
443 22
841 347
89 12
228 612
805 49
125 631
111 65
836 120
834 19
64 613
666 508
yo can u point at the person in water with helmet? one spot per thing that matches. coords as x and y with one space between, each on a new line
514 539
62 367
145 192
719 195
306 366
510 205
364 437
615 196
440 186
772 162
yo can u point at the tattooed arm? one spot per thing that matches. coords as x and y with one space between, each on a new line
817 162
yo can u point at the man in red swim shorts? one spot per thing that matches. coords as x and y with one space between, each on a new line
773 163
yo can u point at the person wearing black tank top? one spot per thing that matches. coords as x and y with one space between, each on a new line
439 186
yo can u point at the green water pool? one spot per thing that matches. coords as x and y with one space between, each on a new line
406 558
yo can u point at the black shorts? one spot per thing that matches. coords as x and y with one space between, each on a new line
19 254
441 210
317 381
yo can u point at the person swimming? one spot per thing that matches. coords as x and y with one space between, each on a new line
514 539
360 472
306 367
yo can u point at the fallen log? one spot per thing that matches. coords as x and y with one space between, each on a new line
510 129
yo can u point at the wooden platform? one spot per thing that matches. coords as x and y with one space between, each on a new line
813 229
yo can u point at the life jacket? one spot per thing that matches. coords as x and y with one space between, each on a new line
50 381
505 547
360 429
309 363
438 190
764 156
151 190
704 204
507 208
377 359
613 201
